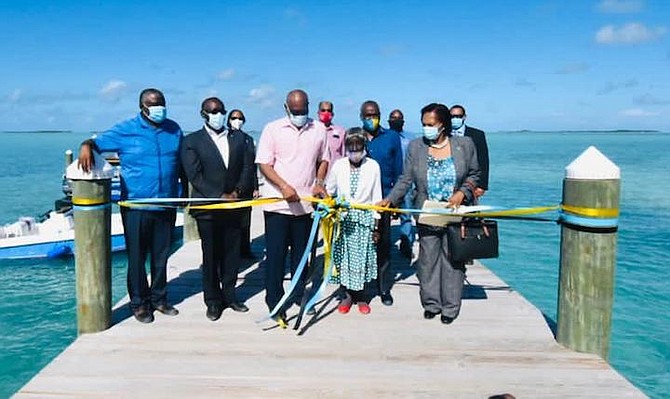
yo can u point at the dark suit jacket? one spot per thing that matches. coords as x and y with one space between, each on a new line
479 138
207 173
251 148
415 170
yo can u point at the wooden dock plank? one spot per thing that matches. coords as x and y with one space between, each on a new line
500 343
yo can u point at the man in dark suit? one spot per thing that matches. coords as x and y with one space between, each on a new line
218 165
458 128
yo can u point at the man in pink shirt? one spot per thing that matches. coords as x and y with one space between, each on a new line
334 133
293 156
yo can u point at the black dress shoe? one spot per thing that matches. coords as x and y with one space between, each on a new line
427 314
166 309
387 299
143 315
446 319
239 307
214 312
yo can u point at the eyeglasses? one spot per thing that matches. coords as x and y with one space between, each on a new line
457 116
325 110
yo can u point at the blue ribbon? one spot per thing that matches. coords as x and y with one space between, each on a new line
91 207
301 267
564 217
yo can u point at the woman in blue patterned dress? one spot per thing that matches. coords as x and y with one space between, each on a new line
443 168
356 179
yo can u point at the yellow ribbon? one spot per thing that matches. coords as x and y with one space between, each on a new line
604 213
88 201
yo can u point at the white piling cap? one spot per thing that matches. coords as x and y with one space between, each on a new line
101 170
592 165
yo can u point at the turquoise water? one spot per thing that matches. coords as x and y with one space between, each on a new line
37 306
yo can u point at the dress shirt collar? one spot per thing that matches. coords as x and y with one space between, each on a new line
214 133
460 131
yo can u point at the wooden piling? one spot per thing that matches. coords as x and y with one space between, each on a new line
190 225
91 200
588 253
68 158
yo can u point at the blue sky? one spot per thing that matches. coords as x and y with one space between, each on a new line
547 65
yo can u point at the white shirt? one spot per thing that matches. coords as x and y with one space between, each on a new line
460 131
221 141
369 189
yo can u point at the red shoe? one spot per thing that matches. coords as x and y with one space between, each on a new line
345 305
363 307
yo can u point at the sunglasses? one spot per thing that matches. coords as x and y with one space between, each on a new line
325 110
458 116
236 118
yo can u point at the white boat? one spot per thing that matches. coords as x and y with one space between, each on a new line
52 236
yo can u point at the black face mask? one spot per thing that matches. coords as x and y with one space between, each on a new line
396 125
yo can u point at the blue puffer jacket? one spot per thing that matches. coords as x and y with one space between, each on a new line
149 157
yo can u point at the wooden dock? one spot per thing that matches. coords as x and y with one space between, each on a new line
500 344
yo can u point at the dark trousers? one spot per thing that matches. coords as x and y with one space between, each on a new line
147 232
245 241
356 296
385 276
220 242
281 232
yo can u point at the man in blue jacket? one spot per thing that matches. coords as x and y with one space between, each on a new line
148 147
384 147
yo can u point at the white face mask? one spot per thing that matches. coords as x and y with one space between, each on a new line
236 124
356 156
216 121
297 120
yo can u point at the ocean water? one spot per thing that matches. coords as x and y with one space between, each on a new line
37 305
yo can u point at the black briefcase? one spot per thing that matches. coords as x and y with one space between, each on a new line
472 239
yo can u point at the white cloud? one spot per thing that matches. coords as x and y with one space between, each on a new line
620 6
391 50
614 86
523 82
15 96
226 74
294 15
637 112
631 33
572 68
263 95
649 99
113 90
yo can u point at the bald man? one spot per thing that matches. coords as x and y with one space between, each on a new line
293 156
148 147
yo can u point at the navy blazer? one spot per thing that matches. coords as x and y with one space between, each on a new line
415 170
206 172
479 138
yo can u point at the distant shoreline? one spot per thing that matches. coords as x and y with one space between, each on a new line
583 131
36 131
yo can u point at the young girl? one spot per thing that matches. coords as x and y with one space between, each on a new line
356 179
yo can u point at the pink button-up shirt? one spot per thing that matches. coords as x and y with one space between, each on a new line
335 140
294 155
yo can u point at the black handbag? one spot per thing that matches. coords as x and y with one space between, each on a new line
472 239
